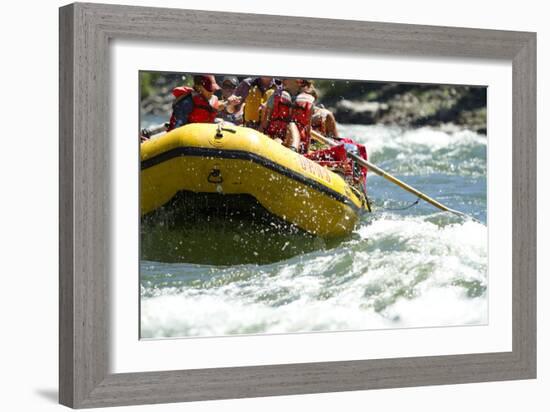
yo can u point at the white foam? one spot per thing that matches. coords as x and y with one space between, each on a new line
379 138
405 272
440 307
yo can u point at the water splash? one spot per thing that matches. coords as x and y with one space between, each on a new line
414 268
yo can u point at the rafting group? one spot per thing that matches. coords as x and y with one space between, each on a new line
264 139
254 138
284 109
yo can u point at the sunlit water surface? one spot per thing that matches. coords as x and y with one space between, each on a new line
416 267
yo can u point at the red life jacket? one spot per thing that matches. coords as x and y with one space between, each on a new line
336 158
285 111
301 115
280 115
204 111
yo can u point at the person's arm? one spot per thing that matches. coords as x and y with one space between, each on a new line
234 101
221 105
266 113
182 109
310 125
331 128
238 116
243 89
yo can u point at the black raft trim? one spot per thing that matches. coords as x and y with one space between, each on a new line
253 157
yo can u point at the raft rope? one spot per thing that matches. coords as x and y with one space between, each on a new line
373 168
402 208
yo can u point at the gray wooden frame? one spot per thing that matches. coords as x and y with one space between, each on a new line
85 31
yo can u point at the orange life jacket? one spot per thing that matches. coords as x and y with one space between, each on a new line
204 111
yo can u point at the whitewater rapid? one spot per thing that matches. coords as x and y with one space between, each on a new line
405 268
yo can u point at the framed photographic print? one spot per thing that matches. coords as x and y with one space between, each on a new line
259 205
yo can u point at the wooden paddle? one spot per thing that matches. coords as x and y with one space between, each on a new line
319 137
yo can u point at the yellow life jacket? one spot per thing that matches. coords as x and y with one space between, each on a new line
253 103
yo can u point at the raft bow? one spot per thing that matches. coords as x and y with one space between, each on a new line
230 160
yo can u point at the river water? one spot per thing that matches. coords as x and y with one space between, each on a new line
416 267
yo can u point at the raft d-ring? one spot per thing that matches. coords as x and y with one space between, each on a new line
215 176
219 133
221 128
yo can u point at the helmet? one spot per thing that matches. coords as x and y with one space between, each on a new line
206 81
231 80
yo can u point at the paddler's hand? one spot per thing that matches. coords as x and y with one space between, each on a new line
233 100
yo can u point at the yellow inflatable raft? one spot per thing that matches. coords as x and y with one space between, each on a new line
227 159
